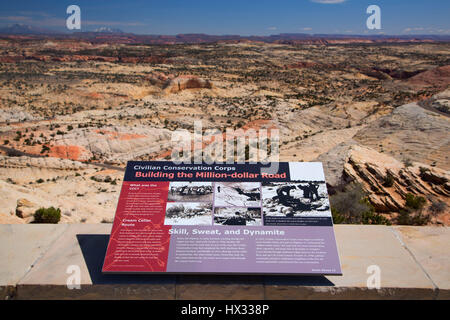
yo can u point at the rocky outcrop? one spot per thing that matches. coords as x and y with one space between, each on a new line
76 57
102 178
388 181
333 163
16 115
117 144
397 73
159 79
6 218
186 82
437 77
25 208
374 73
48 163
410 132
438 103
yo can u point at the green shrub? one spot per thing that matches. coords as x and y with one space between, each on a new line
415 202
438 207
348 203
352 206
412 213
407 163
412 218
388 180
45 149
338 218
403 217
47 215
371 217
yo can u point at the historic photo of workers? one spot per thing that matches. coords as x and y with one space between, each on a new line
187 213
190 191
233 216
296 199
239 194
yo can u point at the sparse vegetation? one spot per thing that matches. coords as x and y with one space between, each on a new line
412 214
388 180
437 207
352 206
415 202
311 93
47 215
407 163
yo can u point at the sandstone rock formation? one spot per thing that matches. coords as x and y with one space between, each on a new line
41 162
116 144
15 115
28 184
438 103
184 82
6 218
63 123
374 170
410 132
437 77
25 208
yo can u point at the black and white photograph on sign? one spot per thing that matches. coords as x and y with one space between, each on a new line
188 213
190 191
239 194
234 216
296 199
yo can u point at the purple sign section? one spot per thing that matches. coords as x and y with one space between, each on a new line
246 249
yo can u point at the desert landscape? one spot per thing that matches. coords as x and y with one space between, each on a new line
73 111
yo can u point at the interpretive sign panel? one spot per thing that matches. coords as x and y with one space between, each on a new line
223 218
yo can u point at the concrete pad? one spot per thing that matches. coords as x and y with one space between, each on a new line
219 287
84 245
360 247
430 247
20 247
414 264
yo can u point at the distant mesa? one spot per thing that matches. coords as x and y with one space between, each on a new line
153 59
22 29
108 30
113 35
